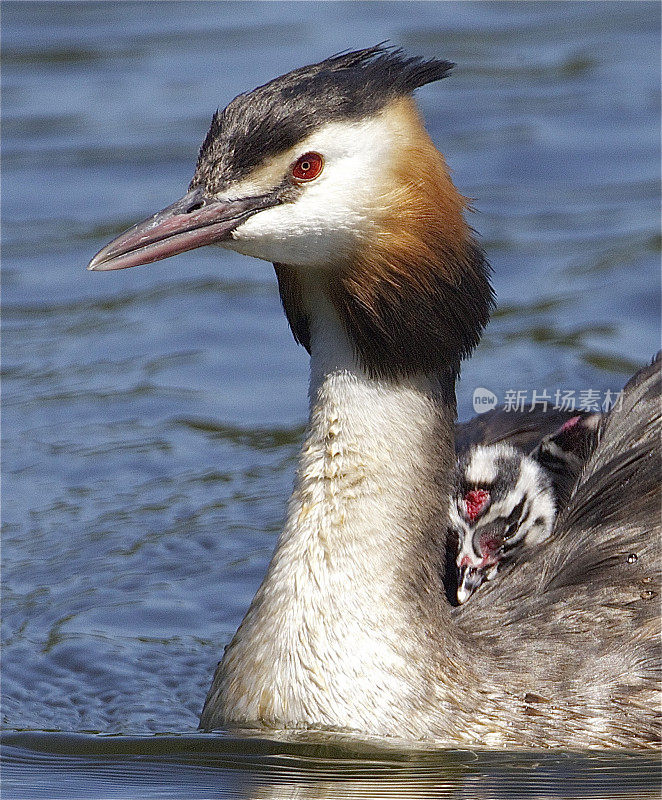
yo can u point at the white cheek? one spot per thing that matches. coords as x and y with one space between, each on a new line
333 213
319 228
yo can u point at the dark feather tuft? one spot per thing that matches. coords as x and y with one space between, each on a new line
293 305
274 117
404 329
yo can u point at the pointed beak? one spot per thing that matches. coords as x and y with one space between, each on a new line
191 222
468 580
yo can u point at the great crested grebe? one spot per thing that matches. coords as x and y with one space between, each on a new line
502 503
328 172
563 453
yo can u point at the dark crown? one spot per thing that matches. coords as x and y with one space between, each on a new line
274 117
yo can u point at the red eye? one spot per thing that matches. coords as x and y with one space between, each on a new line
308 167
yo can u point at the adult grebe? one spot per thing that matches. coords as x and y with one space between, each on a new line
329 173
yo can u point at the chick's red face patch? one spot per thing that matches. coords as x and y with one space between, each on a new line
475 502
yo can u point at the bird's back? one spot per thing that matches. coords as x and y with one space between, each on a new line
576 627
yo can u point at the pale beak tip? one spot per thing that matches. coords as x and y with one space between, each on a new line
100 263
95 265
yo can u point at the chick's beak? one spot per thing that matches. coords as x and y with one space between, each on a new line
193 221
469 579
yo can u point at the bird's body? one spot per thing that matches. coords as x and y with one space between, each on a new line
329 173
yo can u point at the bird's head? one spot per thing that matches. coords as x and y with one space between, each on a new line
502 501
328 171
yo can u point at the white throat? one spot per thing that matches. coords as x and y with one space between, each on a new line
328 639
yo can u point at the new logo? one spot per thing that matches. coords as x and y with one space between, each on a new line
483 400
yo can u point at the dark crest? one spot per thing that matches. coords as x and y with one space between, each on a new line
274 117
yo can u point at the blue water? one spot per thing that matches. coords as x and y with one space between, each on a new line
151 418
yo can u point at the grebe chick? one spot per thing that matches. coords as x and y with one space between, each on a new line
329 173
563 453
502 502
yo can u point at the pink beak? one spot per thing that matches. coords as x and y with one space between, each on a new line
193 221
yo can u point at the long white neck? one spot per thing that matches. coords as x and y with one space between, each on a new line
337 633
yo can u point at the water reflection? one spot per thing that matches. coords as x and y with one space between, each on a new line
260 769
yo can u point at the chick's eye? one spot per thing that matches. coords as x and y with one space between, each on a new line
510 531
308 167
